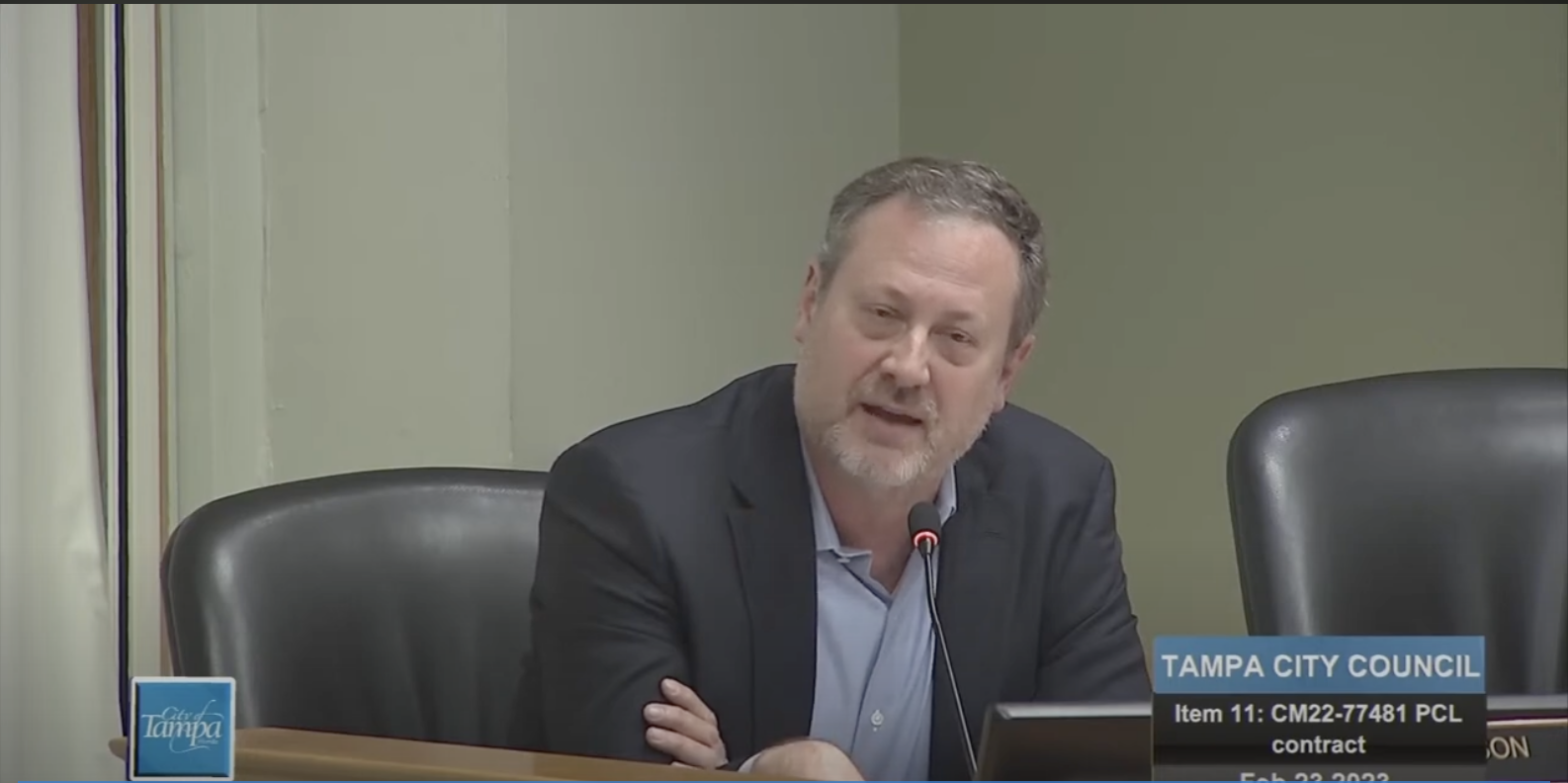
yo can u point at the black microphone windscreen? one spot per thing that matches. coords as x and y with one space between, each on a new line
925 517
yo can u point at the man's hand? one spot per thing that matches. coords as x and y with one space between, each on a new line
808 759
685 728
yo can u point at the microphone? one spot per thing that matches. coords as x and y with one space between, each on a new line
925 531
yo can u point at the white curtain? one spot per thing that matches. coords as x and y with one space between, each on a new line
59 700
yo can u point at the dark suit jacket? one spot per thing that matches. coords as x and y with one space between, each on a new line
680 545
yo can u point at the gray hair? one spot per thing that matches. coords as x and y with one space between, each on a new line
948 188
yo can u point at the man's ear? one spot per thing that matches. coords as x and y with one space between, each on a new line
808 299
1011 366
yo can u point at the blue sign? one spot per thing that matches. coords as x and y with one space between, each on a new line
1320 664
184 729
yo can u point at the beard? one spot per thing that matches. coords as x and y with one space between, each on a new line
825 423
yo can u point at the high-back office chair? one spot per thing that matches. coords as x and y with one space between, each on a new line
1426 503
388 603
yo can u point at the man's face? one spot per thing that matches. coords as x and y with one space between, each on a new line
905 357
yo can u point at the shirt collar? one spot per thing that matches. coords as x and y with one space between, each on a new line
822 519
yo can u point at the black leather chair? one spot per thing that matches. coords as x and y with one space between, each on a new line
1426 503
389 603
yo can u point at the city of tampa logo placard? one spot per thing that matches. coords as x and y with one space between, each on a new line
184 729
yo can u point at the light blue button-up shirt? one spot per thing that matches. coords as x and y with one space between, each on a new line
875 652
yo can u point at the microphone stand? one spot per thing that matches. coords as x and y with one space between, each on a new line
947 662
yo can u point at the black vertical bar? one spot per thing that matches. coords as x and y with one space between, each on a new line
122 385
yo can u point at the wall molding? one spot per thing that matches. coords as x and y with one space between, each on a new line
143 360
129 324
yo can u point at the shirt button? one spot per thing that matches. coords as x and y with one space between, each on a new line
876 718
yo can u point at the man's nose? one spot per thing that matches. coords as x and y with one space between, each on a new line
907 363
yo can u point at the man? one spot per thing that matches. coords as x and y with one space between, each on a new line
732 583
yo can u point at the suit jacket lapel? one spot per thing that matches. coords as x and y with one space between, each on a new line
976 582
775 549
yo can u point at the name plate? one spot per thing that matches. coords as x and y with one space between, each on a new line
1530 749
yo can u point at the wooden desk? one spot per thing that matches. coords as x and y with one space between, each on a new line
288 754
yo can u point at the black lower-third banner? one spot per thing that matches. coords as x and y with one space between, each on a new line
1361 731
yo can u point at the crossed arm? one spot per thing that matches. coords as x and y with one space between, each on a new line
612 675
605 624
